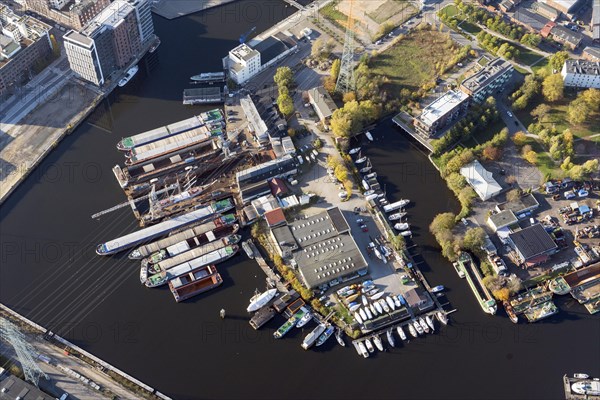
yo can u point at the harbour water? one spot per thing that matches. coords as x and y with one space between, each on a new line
51 274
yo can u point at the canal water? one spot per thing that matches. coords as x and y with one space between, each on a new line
50 273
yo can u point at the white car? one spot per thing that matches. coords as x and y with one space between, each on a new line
509 114
343 194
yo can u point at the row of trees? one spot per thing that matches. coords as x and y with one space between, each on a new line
497 46
528 90
353 117
579 171
479 116
341 172
493 22
284 78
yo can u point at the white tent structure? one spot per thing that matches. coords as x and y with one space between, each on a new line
481 180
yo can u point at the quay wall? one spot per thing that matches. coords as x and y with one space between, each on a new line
51 335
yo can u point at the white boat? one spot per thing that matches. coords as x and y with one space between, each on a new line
581 375
130 74
354 307
365 301
384 305
360 160
424 325
354 150
402 226
401 332
372 175
312 337
369 192
339 337
442 317
378 253
365 169
377 295
261 300
373 291
363 314
437 289
589 388
406 233
429 321
390 302
397 302
390 338
373 310
304 320
418 327
366 185
378 342
369 136
358 317
371 196
363 350
412 330
396 216
368 312
369 345
397 205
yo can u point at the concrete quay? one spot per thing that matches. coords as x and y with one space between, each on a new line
170 9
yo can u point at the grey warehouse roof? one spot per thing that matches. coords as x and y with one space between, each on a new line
532 241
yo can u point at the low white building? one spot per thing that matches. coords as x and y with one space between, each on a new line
481 180
246 61
256 125
581 74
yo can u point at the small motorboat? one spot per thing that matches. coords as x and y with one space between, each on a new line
442 317
396 216
360 160
354 150
354 307
424 325
373 310
372 175
390 303
371 196
369 136
369 192
365 169
358 317
401 332
581 375
366 185
378 307
304 320
362 349
342 291
412 331
429 321
363 314
401 299
353 297
418 327
437 289
384 202
365 301
377 296
373 291
390 338
369 346
406 233
349 293
397 301
378 342
130 73
384 305
402 226
368 312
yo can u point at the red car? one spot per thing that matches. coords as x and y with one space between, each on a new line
364 228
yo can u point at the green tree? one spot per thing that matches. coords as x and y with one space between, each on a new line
578 111
530 157
285 104
519 139
335 69
442 222
492 153
474 239
590 166
283 76
456 182
553 87
540 111
558 59
592 98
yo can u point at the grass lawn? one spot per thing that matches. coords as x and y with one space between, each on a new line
331 12
527 55
540 65
544 162
470 27
450 10
411 62
484 135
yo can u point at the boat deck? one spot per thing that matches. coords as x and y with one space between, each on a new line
261 317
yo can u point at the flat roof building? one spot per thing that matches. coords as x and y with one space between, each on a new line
256 125
592 53
74 15
14 388
546 11
566 6
280 167
520 206
481 180
322 103
442 112
502 219
487 81
581 74
533 245
595 21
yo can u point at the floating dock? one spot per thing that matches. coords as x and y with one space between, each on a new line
204 95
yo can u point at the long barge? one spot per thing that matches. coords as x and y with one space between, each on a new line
195 282
189 255
153 135
151 248
483 296
146 234
214 257
171 144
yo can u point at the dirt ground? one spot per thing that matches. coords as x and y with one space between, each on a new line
370 14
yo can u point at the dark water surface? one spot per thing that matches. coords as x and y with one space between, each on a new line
51 274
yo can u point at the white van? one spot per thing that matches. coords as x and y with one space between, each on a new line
300 160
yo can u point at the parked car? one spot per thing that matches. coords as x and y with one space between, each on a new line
364 228
509 114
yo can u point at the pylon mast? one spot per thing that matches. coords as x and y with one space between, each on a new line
25 352
346 81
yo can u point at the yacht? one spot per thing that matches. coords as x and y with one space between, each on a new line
378 343
312 337
360 160
369 345
587 387
369 135
424 325
390 338
401 332
418 327
429 321
130 74
396 216
354 150
378 307
406 233
365 301
363 350
354 307
260 300
363 314
358 317
304 320
402 226
384 305
390 303
412 330
442 317
397 301
373 310
377 295
368 312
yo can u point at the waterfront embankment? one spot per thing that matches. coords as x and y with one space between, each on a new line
175 9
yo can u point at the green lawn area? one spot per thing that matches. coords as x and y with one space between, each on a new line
544 162
484 135
527 55
470 27
540 65
331 12
411 62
